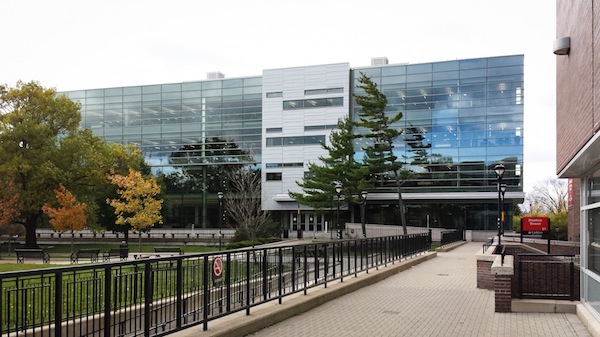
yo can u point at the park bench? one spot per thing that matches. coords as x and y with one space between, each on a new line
310 254
91 253
169 250
114 252
34 253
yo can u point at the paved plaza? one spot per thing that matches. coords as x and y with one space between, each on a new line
438 297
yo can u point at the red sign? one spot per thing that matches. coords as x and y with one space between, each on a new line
535 223
217 267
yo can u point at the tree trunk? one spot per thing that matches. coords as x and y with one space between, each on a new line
30 233
401 205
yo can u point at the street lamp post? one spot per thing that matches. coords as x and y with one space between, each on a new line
363 217
503 214
220 195
499 169
338 192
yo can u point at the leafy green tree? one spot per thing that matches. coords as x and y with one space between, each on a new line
86 161
41 146
32 121
318 190
381 130
559 223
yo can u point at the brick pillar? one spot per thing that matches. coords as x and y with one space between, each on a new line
503 275
503 294
485 279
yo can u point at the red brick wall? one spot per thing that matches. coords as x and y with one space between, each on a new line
485 279
577 117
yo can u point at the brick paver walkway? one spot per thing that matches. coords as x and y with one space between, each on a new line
436 298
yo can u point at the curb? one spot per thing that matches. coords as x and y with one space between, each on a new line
450 247
544 306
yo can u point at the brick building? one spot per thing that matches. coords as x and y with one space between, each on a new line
578 122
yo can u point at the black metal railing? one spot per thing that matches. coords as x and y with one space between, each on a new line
543 276
488 244
451 236
158 296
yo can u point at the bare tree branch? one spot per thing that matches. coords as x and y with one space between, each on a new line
548 196
244 203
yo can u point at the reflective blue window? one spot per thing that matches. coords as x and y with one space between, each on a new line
468 118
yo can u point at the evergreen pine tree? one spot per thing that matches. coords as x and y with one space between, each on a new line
379 127
318 189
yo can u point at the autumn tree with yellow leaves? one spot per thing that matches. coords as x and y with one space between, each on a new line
69 216
137 205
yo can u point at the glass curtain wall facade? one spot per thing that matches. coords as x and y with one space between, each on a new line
190 134
460 119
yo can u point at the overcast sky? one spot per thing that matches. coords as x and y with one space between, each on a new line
78 44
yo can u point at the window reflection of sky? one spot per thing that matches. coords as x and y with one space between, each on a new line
470 112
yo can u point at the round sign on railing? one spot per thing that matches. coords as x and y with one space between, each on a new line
217 267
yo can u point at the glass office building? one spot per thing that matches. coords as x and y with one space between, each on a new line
190 133
460 119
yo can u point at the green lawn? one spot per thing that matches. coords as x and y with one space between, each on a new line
10 266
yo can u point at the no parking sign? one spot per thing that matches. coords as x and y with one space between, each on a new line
217 268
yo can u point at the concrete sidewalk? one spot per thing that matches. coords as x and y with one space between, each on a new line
438 297
427 295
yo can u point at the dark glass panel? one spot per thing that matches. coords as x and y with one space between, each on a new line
505 70
505 61
472 64
418 68
291 105
445 66
191 86
393 70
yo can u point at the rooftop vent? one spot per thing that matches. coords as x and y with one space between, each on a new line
379 61
214 75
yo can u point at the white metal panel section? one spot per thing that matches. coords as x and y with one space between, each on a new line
292 82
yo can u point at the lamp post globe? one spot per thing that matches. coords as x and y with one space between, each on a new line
499 169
